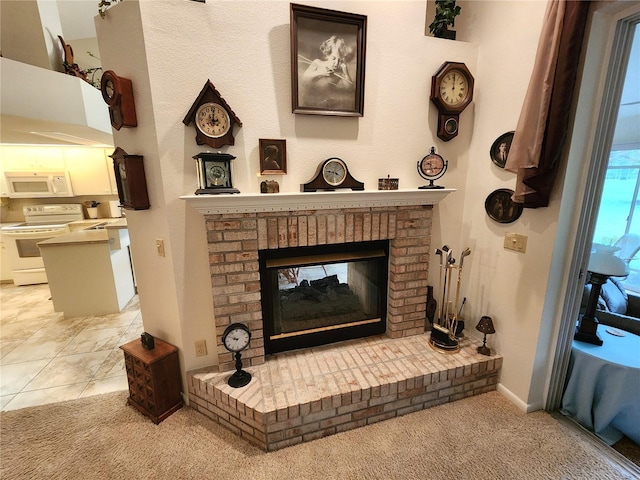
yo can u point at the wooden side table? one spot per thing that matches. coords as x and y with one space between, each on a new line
154 379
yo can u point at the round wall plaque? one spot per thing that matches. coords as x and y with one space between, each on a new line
501 208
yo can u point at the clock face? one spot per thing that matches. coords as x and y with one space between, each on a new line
432 165
334 172
454 88
217 174
109 89
236 337
213 120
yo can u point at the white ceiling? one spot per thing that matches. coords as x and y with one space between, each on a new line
77 18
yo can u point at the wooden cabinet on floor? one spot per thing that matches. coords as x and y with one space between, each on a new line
154 379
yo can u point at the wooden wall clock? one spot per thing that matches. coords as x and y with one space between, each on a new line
117 92
451 93
213 118
131 180
332 174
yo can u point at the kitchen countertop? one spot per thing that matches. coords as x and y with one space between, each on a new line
79 237
89 222
88 235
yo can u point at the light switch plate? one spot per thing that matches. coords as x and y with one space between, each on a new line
515 242
160 247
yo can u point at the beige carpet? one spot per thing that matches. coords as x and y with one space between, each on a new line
483 437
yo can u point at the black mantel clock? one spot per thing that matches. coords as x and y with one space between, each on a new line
214 173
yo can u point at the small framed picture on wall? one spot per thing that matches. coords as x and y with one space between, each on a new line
273 157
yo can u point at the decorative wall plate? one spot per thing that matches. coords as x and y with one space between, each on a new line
501 208
500 149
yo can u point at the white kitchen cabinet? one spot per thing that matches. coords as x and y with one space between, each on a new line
5 267
27 158
89 171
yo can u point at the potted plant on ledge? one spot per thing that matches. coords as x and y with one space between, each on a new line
446 12
92 208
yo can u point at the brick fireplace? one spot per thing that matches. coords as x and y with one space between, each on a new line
236 235
301 395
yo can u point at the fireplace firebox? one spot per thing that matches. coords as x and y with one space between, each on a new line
323 294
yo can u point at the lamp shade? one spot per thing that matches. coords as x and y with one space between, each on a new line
485 325
604 262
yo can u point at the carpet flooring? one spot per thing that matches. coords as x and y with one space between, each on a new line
482 437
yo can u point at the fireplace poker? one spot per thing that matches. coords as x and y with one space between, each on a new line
454 324
446 259
462 306
448 280
440 286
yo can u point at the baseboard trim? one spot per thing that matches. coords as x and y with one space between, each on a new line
513 398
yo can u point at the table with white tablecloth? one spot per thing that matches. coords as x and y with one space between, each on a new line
603 385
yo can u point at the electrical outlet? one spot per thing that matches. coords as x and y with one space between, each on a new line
160 247
201 348
515 242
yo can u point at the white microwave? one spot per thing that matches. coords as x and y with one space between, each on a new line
38 184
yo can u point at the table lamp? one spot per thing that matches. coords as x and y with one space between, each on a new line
485 325
602 265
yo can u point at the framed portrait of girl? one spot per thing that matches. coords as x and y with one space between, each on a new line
327 61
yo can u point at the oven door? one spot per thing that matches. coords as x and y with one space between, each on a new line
23 253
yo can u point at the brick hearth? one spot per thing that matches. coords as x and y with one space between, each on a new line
299 396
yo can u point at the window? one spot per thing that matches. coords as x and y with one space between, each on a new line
619 211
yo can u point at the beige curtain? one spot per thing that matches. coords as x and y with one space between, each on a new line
542 128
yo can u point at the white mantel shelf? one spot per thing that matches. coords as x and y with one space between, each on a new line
282 202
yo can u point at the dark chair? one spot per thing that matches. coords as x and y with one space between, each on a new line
616 308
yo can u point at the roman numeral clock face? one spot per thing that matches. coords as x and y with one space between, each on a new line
213 120
454 87
451 93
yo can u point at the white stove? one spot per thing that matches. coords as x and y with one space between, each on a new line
42 222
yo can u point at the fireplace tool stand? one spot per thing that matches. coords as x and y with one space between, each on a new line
443 333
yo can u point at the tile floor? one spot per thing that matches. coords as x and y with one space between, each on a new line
46 358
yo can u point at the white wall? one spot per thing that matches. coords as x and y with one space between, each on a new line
170 48
506 285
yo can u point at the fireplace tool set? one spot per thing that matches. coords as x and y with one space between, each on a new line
446 322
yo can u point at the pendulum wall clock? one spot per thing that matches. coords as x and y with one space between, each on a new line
131 180
451 93
117 92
